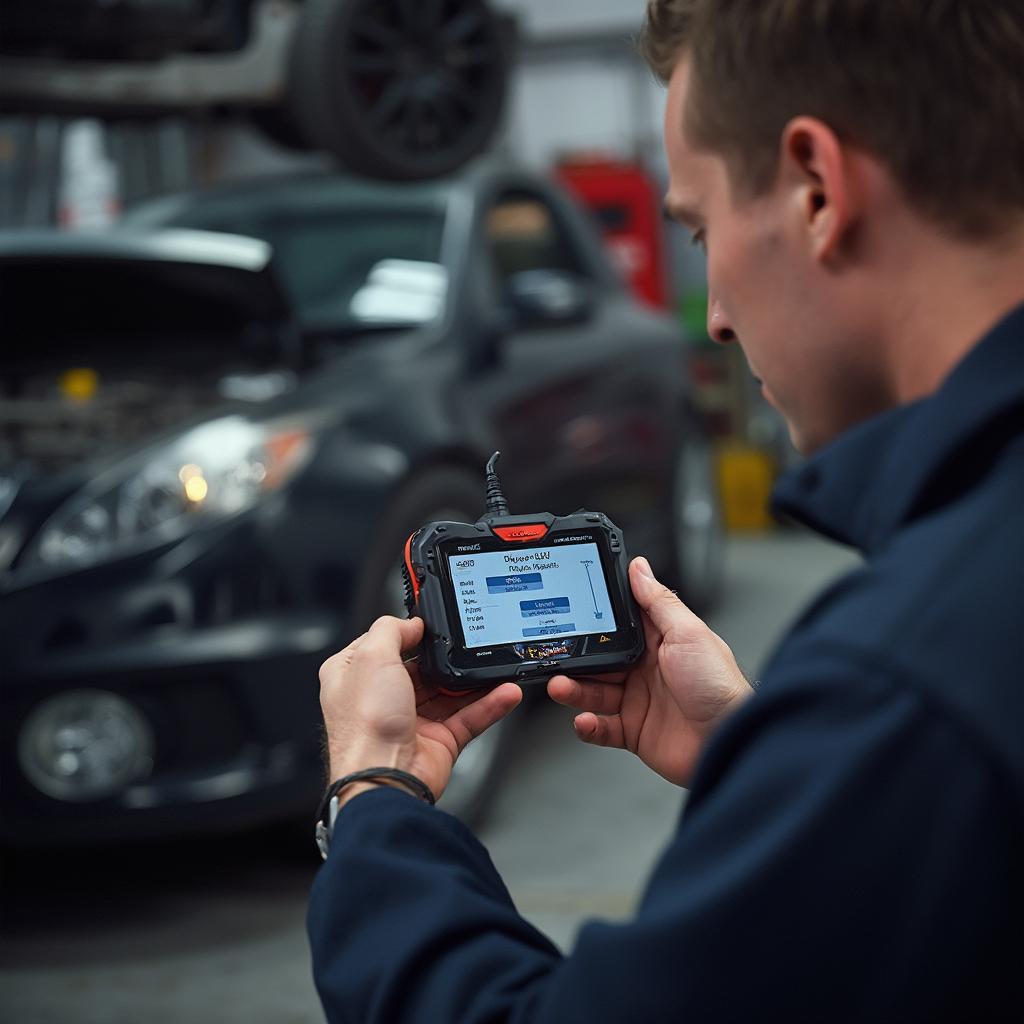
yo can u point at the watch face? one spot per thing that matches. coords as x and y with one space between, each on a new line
324 829
323 839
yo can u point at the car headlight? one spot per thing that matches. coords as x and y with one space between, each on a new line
217 469
85 745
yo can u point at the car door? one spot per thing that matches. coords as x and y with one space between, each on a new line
585 407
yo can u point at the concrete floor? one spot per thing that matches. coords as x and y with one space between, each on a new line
213 930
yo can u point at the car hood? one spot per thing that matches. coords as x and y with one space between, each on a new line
112 340
51 281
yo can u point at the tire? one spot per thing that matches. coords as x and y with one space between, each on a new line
443 494
399 89
698 533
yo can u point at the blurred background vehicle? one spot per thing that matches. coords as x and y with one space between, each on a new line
220 423
406 89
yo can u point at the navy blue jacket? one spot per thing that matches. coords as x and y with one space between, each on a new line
852 846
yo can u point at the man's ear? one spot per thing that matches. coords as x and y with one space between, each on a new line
814 163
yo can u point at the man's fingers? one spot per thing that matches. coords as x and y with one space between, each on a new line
662 606
600 730
470 721
437 706
603 698
652 638
413 668
411 631
389 637
383 644
336 664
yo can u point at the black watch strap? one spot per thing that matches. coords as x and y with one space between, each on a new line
327 812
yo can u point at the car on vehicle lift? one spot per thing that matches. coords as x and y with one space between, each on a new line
398 89
220 423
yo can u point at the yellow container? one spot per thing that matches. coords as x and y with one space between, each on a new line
745 478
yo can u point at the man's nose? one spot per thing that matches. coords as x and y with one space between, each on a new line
719 328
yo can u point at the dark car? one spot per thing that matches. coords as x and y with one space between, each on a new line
391 88
210 461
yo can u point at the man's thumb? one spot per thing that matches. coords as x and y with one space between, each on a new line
663 608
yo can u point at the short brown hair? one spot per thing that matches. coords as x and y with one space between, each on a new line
934 88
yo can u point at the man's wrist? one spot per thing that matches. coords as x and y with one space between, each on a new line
348 783
355 788
345 756
743 692
352 784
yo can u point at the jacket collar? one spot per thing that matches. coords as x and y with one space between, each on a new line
874 478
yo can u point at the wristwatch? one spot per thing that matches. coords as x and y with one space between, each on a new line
325 827
329 806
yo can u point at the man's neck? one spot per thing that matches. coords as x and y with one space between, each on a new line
948 296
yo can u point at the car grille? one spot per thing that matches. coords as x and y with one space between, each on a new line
46 431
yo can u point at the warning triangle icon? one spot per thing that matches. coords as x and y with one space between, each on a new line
605 639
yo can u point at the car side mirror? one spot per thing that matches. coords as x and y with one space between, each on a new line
548 298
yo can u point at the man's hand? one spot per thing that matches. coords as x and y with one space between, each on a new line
378 713
666 706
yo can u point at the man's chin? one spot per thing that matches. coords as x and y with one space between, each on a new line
796 440
807 443
800 441
804 441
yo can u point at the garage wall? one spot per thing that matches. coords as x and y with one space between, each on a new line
572 102
542 17
579 86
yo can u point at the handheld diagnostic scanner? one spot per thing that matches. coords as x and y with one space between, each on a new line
521 597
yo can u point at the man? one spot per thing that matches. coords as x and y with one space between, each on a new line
851 845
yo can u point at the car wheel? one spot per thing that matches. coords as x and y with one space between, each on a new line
442 495
698 530
399 89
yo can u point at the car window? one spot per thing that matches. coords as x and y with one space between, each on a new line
351 266
523 233
343 267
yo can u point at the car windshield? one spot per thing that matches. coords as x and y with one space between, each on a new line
351 267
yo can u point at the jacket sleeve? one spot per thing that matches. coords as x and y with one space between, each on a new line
845 855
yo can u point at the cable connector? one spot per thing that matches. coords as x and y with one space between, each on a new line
496 503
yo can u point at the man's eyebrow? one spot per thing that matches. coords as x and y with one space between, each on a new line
681 213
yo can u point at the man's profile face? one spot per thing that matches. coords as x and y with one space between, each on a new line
766 291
